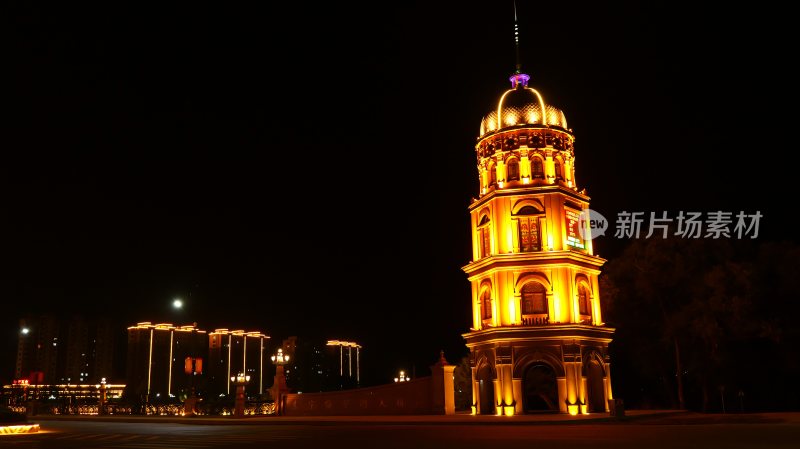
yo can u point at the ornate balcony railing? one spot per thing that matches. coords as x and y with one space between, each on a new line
535 320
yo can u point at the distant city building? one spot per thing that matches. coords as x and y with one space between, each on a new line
54 350
321 365
231 352
349 361
156 359
158 368
89 351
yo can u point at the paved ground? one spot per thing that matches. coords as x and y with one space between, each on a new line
461 418
661 431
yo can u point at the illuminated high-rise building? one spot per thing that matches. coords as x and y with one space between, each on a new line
538 341
156 357
231 352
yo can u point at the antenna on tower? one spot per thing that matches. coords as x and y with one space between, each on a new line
516 38
518 79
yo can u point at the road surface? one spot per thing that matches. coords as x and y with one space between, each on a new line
775 431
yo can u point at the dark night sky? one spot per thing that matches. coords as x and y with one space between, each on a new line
307 170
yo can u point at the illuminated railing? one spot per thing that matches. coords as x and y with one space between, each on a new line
253 408
535 320
250 409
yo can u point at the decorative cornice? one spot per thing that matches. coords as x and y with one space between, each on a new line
555 333
520 261
528 190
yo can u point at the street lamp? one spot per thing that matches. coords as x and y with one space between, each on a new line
25 331
279 384
403 377
240 381
280 358
101 388
240 378
177 303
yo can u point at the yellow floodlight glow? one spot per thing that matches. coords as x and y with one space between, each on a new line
500 109
511 119
20 428
541 102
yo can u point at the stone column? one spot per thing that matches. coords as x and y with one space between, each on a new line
517 388
442 389
238 408
607 380
475 393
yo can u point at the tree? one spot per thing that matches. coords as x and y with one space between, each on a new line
692 298
462 383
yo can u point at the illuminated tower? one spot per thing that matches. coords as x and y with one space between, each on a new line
538 341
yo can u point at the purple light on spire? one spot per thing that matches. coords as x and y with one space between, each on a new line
519 79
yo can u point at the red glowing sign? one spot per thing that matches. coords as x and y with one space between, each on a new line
193 365
572 219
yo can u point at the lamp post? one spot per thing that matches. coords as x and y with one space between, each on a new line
101 388
239 380
279 384
192 366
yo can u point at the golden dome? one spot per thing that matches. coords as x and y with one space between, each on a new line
520 106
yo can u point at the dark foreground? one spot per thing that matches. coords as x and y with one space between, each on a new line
681 431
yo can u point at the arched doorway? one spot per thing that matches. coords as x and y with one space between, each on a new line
486 391
596 397
540 389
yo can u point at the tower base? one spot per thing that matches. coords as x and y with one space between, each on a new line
559 368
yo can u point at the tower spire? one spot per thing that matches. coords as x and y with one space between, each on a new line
516 38
518 79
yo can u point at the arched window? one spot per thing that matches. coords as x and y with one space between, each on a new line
486 305
534 298
492 175
559 175
538 171
513 170
485 237
528 229
584 306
